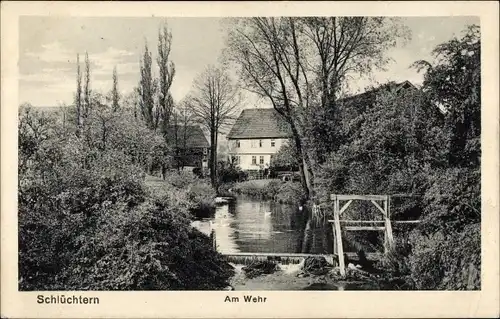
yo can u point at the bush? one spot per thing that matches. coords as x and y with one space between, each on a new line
285 159
202 195
272 189
290 192
87 220
151 247
180 179
275 189
450 262
197 191
251 188
230 173
58 215
396 261
198 172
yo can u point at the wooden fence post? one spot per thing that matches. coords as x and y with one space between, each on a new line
212 236
389 239
338 236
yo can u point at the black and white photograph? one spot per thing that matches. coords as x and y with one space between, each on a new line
248 153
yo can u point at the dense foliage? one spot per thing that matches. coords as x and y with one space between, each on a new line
424 144
86 218
230 173
274 189
285 159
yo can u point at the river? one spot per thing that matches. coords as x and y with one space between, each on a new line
248 224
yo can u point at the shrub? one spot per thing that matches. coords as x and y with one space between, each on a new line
87 221
284 192
198 172
272 188
396 261
450 262
285 159
181 179
197 191
230 173
202 195
58 216
290 192
151 247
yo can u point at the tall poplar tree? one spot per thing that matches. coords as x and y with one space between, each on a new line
146 89
78 95
87 90
167 71
115 94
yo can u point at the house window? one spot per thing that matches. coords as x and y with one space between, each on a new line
238 143
253 143
238 160
254 160
260 143
261 160
271 158
273 143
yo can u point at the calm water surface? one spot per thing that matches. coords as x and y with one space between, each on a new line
248 224
252 225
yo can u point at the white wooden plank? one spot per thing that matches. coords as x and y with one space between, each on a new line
356 228
347 221
382 210
346 205
390 238
338 235
358 197
405 221
377 221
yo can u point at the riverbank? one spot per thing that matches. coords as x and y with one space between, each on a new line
193 193
288 192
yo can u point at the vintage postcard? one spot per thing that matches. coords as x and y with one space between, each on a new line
250 159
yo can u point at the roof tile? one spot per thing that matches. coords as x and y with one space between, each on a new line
259 123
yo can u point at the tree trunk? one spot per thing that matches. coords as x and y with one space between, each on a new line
216 186
213 153
307 158
305 173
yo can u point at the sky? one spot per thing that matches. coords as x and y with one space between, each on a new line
48 47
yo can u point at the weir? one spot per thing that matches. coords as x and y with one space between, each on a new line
289 258
338 257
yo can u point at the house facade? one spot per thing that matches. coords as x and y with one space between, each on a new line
255 137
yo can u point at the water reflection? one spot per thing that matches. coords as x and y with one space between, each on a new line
251 225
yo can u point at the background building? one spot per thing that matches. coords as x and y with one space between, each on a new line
190 146
255 137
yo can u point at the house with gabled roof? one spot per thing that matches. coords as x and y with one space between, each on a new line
259 132
256 136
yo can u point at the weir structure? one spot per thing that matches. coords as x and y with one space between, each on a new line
381 202
340 204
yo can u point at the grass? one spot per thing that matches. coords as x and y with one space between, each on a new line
196 191
274 189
